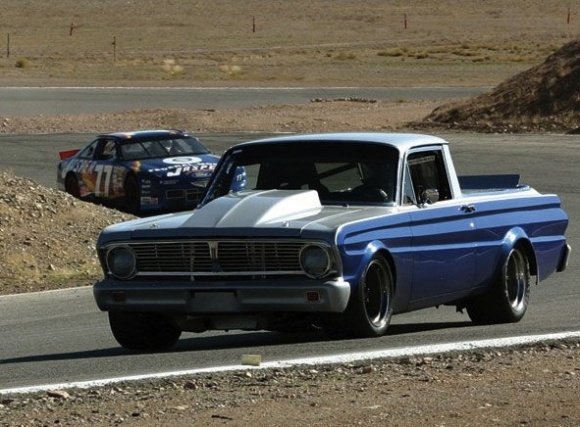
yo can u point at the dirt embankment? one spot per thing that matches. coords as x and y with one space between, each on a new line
545 98
47 237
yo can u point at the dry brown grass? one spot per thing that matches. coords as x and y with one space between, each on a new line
276 42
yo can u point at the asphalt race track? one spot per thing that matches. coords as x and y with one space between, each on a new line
17 101
61 336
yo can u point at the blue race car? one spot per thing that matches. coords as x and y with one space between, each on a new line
139 172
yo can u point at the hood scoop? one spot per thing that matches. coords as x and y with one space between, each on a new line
255 208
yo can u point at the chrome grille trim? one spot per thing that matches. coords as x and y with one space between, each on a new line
223 257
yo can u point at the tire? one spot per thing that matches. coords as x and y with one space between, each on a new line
143 331
508 298
71 186
370 308
132 196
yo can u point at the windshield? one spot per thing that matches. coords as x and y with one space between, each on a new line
162 148
340 171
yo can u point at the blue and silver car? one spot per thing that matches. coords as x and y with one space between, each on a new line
338 231
139 172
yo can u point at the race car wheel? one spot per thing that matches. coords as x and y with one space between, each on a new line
132 195
369 311
71 186
143 331
507 300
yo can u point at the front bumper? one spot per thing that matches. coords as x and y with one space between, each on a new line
157 197
200 298
566 251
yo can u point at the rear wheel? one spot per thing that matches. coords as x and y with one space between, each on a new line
371 306
71 186
143 331
507 300
132 195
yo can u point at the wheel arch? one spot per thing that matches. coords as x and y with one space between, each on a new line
376 248
371 302
517 238
388 257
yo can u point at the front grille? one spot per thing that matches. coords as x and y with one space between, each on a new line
224 257
192 195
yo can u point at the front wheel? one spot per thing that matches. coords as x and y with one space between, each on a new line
143 331
369 311
507 300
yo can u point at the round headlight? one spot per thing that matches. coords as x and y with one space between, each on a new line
121 262
315 260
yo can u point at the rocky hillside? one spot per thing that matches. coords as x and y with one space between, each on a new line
47 237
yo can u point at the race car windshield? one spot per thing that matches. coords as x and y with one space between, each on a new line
162 148
340 171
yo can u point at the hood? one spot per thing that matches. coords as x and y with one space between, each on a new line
196 166
271 212
257 208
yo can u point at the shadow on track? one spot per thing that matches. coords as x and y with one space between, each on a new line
235 341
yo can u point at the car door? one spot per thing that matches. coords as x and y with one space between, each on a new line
443 231
104 158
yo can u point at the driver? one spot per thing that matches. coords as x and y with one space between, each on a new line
376 182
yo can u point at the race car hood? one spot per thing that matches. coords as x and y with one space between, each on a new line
196 166
264 213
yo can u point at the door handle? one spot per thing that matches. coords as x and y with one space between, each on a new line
467 208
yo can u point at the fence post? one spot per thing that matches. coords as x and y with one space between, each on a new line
7 45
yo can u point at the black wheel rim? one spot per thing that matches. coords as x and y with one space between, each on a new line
377 294
517 280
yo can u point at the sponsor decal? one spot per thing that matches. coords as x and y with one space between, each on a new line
149 201
181 160
177 166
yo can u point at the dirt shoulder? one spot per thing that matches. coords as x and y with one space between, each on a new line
316 116
529 386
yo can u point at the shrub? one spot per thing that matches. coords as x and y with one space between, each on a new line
344 56
392 52
22 63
